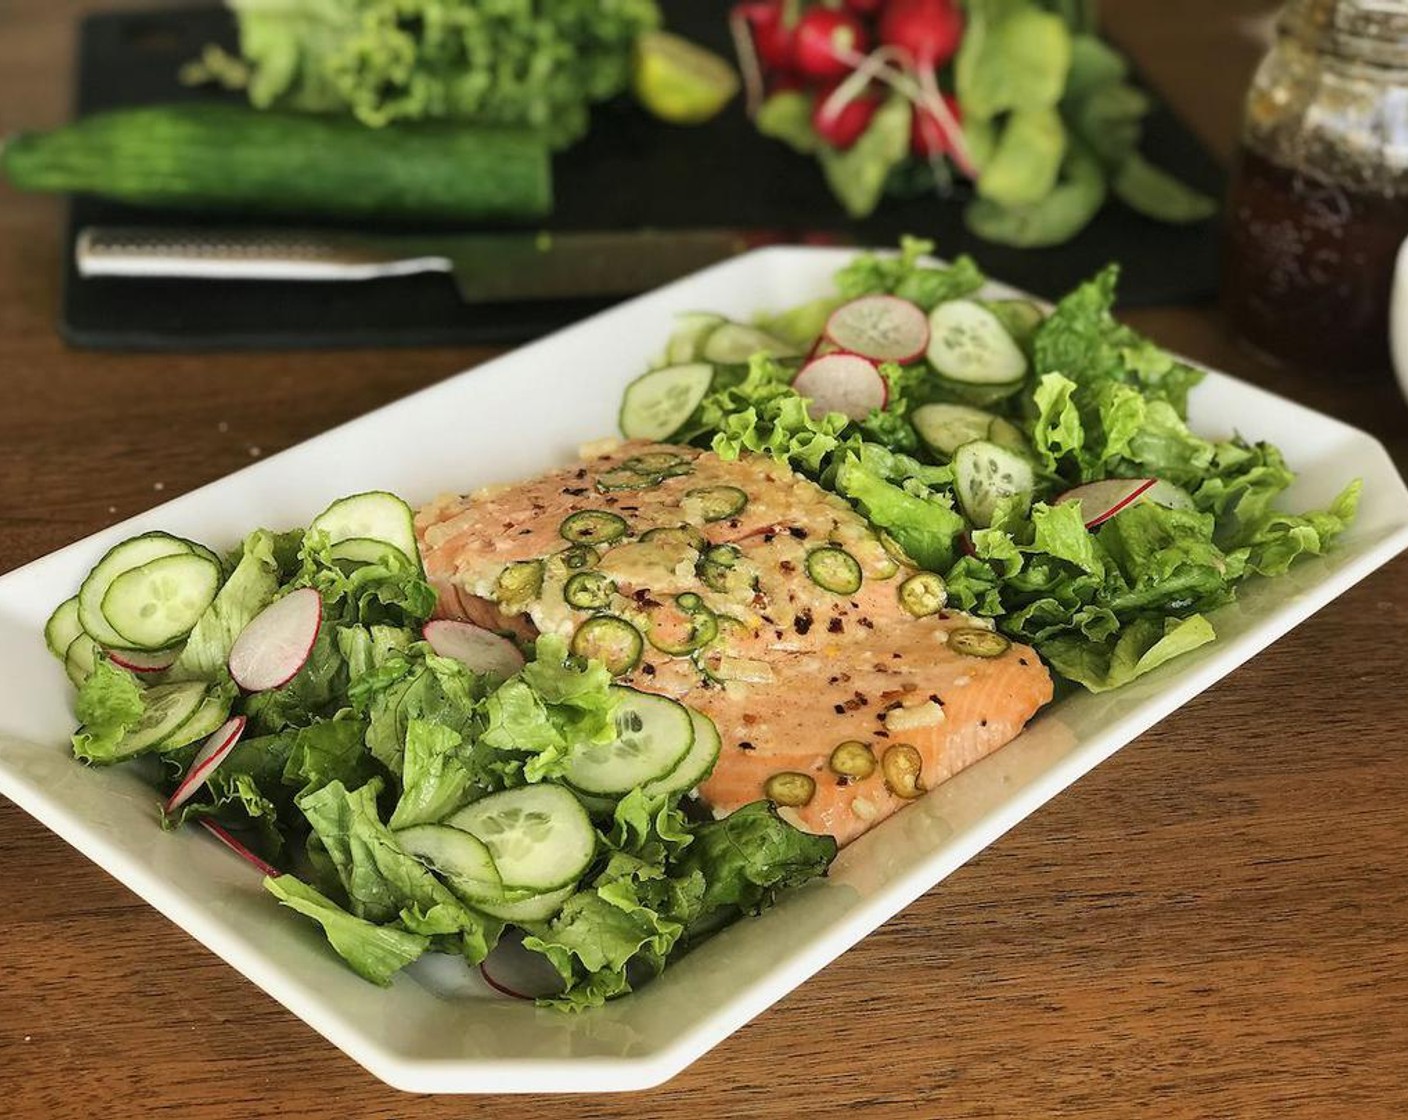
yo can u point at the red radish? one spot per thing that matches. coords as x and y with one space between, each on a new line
519 972
772 37
841 124
138 662
882 328
276 643
214 751
927 136
477 649
225 837
965 543
844 383
928 31
865 7
1100 501
825 41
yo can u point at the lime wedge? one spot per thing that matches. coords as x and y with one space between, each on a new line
680 82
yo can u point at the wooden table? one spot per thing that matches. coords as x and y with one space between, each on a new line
1214 923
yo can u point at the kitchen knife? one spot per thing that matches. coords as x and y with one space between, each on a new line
486 267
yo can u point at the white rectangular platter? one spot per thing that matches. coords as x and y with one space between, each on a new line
439 1028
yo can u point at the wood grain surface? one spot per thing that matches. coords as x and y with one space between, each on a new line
1212 924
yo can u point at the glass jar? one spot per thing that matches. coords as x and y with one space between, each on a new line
1319 199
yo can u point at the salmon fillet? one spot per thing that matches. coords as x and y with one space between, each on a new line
788 668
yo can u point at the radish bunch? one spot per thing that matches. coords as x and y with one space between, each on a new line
849 56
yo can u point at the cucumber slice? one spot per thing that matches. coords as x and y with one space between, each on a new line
985 475
731 343
132 553
80 658
156 605
539 836
696 765
63 626
653 734
460 858
207 719
169 707
1019 317
980 396
365 550
968 344
657 404
945 428
375 515
690 329
1006 434
535 908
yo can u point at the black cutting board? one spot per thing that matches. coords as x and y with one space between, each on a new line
630 171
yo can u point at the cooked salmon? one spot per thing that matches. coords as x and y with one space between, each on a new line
758 598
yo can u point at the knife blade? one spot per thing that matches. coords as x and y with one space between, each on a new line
486 267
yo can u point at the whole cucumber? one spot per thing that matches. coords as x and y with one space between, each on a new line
212 156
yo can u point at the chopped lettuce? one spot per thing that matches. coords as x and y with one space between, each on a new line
251 587
109 702
374 952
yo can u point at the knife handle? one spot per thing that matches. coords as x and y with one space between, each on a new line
244 255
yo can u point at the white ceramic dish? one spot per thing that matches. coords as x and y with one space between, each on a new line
439 1028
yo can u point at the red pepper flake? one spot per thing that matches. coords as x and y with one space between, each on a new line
843 780
882 734
581 473
833 680
798 532
982 723
836 626
768 538
787 566
866 623
897 655
803 622
860 696
574 491
648 669
524 532
935 698
840 709
745 745
749 718
1021 661
733 523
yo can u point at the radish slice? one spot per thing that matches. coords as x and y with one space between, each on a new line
1100 501
518 972
844 383
276 643
136 661
477 649
227 838
882 328
211 755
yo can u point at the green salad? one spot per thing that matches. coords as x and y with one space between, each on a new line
293 700
1039 462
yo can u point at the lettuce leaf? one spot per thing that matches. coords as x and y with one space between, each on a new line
435 781
555 703
1136 649
763 414
109 702
251 587
904 276
374 952
895 494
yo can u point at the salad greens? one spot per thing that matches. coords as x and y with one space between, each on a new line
1104 604
513 63
375 736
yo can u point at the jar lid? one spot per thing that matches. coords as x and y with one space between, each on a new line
1369 31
